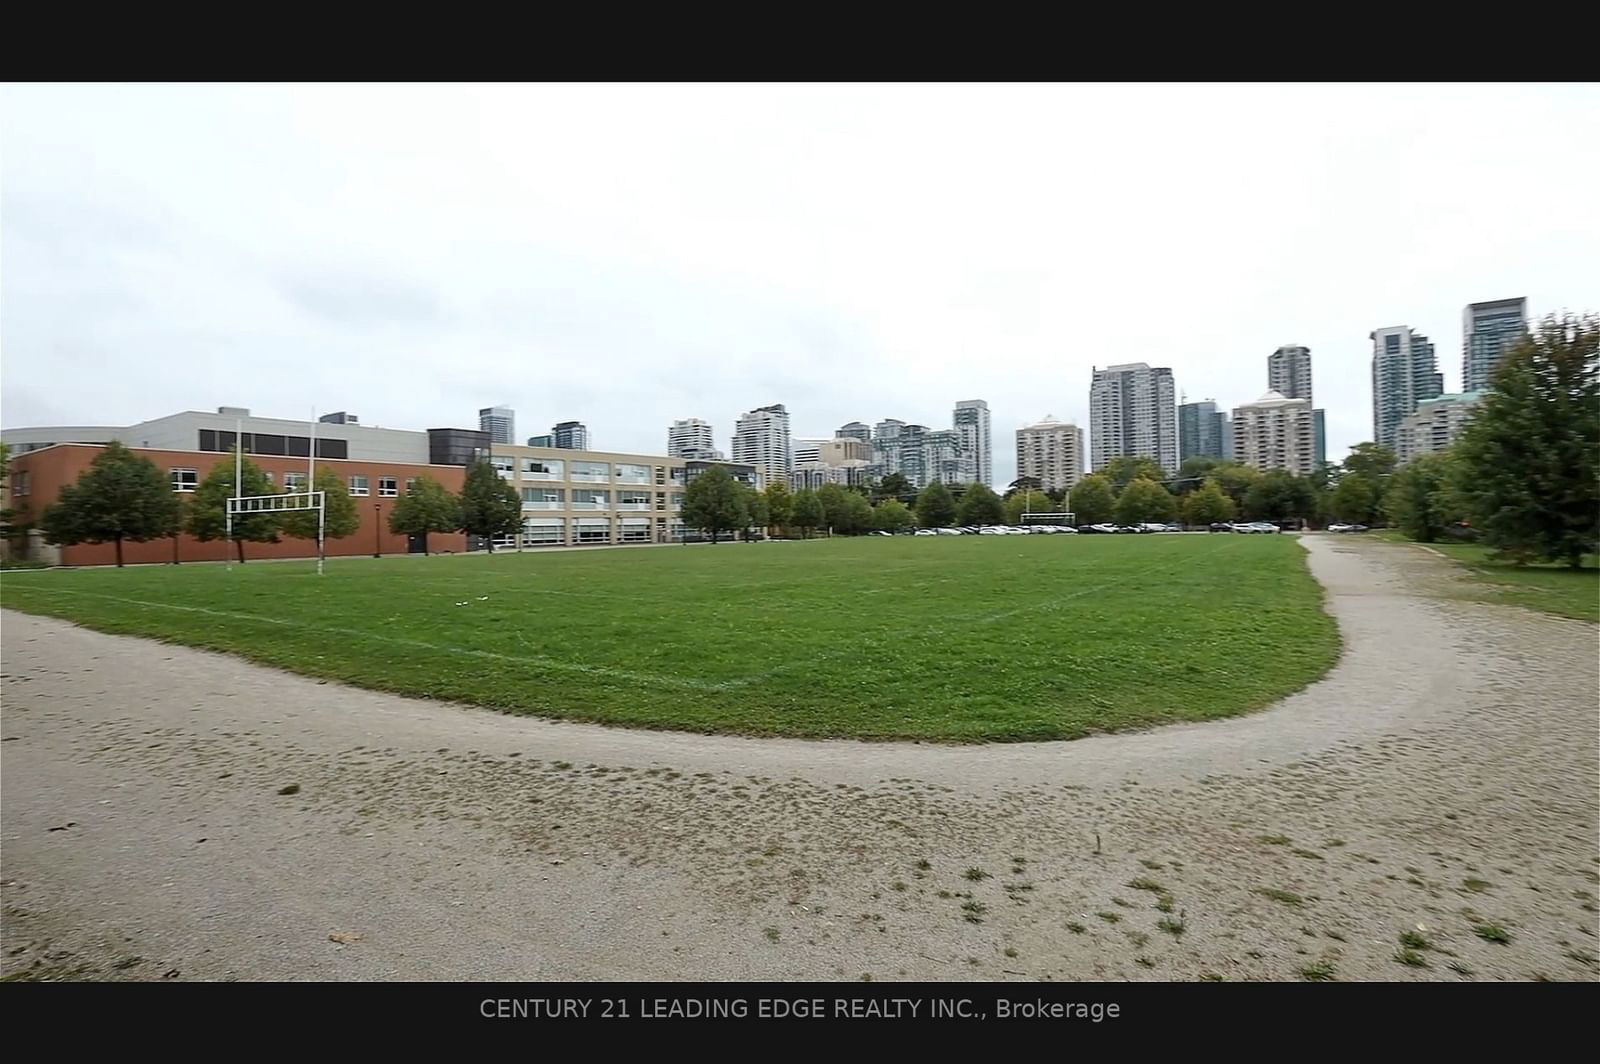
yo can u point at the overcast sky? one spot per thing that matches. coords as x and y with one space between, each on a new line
627 255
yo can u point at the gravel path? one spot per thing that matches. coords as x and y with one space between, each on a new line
1444 776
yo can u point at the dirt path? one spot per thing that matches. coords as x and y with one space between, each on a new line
1445 775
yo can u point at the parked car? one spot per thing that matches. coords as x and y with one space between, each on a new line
1257 527
924 532
1220 526
881 532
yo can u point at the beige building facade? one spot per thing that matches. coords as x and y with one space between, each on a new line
1276 433
1052 451
584 498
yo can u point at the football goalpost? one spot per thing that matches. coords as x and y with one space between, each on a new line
242 505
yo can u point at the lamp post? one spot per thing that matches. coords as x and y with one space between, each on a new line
377 530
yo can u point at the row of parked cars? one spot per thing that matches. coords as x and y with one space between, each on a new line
990 530
1246 527
1041 530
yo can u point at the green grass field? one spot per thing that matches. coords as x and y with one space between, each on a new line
1551 588
960 639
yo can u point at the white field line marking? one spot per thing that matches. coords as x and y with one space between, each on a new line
417 644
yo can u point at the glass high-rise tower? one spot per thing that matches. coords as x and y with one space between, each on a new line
1488 331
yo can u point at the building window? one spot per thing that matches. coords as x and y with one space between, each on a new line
677 500
633 474
544 531
411 484
591 472
543 469
185 479
294 482
22 482
388 487
600 532
634 499
636 532
590 499
503 465
544 498
661 475
358 486
263 443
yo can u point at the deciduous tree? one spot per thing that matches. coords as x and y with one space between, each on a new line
490 506
715 503
1208 505
1371 460
208 507
340 519
1421 497
1280 496
807 514
980 506
1123 471
1530 456
121 496
425 508
892 515
1356 499
834 500
780 504
1145 500
1028 502
1092 501
935 507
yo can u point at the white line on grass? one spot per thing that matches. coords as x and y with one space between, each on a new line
534 659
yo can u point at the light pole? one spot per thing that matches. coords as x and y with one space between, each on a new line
377 530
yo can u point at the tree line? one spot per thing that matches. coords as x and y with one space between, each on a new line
1523 477
126 498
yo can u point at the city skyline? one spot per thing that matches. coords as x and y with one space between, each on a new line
132 267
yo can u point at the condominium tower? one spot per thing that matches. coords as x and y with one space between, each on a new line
1435 425
761 439
1132 414
691 437
1488 331
1275 432
1404 373
500 422
1203 431
570 436
971 421
1051 451
1289 372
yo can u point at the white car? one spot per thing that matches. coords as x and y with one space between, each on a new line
947 531
991 530
924 532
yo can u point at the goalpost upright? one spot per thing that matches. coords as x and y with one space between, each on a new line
285 502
